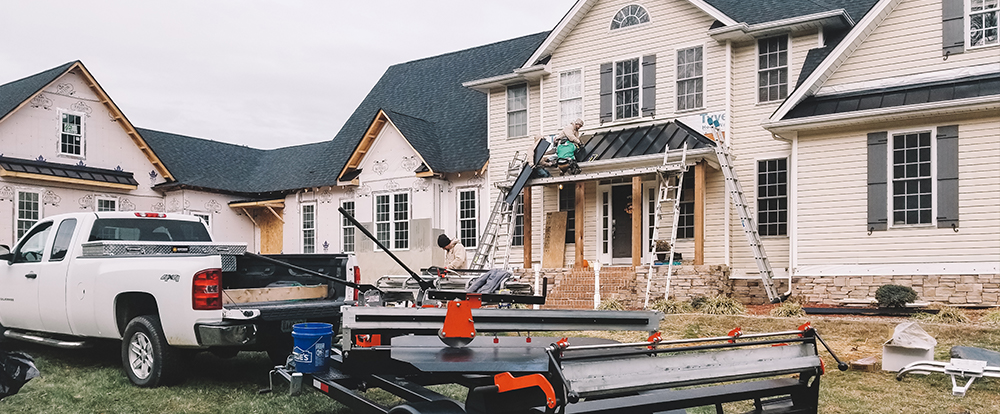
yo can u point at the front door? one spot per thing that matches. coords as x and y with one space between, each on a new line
621 221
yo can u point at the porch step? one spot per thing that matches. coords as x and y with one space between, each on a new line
574 288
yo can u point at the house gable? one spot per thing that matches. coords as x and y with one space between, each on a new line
385 154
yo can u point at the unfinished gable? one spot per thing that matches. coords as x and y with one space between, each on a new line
389 160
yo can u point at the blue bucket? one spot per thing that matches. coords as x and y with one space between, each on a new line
312 346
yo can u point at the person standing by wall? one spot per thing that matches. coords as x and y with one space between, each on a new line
454 257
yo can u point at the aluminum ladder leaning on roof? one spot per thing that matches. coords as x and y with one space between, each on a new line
667 192
501 218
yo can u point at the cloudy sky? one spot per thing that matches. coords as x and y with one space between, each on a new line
265 74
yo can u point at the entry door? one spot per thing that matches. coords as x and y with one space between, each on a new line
621 221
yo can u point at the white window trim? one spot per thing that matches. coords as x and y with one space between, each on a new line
392 221
632 27
206 217
83 134
17 199
788 67
890 179
302 226
527 110
97 202
614 91
967 23
583 85
476 210
704 84
787 156
343 227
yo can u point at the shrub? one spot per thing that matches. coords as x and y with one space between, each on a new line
945 314
698 301
611 304
721 305
672 306
788 310
895 296
992 317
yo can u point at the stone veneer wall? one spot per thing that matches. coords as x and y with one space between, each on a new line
574 288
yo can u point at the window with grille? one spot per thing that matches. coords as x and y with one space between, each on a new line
518 238
911 178
983 22
107 204
71 138
772 69
309 228
570 97
689 79
392 220
517 111
567 203
627 89
467 218
347 227
28 211
772 197
630 15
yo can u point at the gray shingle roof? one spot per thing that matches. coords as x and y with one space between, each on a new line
762 11
14 93
451 134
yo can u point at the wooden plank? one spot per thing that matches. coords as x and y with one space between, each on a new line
580 217
230 296
554 241
271 234
699 213
636 221
526 229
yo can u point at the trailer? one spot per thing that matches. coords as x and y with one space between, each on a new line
494 354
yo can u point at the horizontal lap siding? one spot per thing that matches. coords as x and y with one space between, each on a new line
907 42
832 203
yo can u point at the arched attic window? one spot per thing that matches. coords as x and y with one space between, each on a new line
630 15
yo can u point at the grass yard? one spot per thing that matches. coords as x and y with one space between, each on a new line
90 381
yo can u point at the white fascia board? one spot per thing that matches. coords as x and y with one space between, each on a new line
484 85
875 16
712 11
740 31
797 125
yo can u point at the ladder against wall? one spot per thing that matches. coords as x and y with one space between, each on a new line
670 182
498 233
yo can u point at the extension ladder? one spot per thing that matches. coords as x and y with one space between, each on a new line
670 179
501 222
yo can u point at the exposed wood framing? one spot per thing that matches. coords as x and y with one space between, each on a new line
271 209
250 217
699 213
636 220
279 203
65 180
373 131
581 215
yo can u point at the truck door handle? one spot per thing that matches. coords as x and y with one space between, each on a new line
31 275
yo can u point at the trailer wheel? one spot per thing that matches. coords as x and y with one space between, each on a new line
146 357
428 407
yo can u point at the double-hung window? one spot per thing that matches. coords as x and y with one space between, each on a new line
309 228
28 211
517 110
689 79
570 97
347 227
772 197
626 89
772 69
911 178
392 220
71 134
983 22
567 203
467 218
518 238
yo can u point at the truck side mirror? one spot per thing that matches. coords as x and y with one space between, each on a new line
4 249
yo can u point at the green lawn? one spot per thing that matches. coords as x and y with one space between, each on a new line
90 381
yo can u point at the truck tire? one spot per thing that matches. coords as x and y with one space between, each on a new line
146 357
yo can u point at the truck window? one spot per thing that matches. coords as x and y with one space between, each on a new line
145 229
63 235
30 251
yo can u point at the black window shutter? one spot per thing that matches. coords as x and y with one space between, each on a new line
947 176
878 216
649 85
952 27
607 92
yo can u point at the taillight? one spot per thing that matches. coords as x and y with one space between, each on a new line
156 215
357 280
206 290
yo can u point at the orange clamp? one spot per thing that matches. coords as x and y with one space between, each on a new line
506 382
655 338
735 333
368 340
805 327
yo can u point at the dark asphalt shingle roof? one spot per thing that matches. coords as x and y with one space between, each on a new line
763 11
80 172
14 93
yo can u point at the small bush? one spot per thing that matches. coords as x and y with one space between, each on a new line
611 304
992 317
895 296
788 310
672 306
945 314
698 301
721 305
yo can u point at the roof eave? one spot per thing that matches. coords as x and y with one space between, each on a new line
833 19
520 75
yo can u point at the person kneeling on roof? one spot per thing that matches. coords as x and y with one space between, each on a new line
454 256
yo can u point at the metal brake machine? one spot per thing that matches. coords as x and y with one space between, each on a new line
404 350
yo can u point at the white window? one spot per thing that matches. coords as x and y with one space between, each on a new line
107 204
983 25
570 97
630 15
28 211
518 238
912 184
347 227
517 111
626 89
71 134
772 197
392 220
467 218
689 79
309 228
205 218
772 69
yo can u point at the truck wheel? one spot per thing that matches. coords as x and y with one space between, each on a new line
147 358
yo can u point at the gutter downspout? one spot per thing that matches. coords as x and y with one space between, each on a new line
728 132
793 235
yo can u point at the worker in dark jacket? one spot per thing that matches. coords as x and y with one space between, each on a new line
454 257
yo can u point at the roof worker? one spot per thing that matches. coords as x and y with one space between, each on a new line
570 132
454 256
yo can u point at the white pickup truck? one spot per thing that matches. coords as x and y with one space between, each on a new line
158 282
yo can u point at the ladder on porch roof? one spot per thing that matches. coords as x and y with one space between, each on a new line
501 223
670 180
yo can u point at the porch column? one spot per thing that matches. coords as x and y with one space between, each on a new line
699 213
580 218
526 228
636 221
